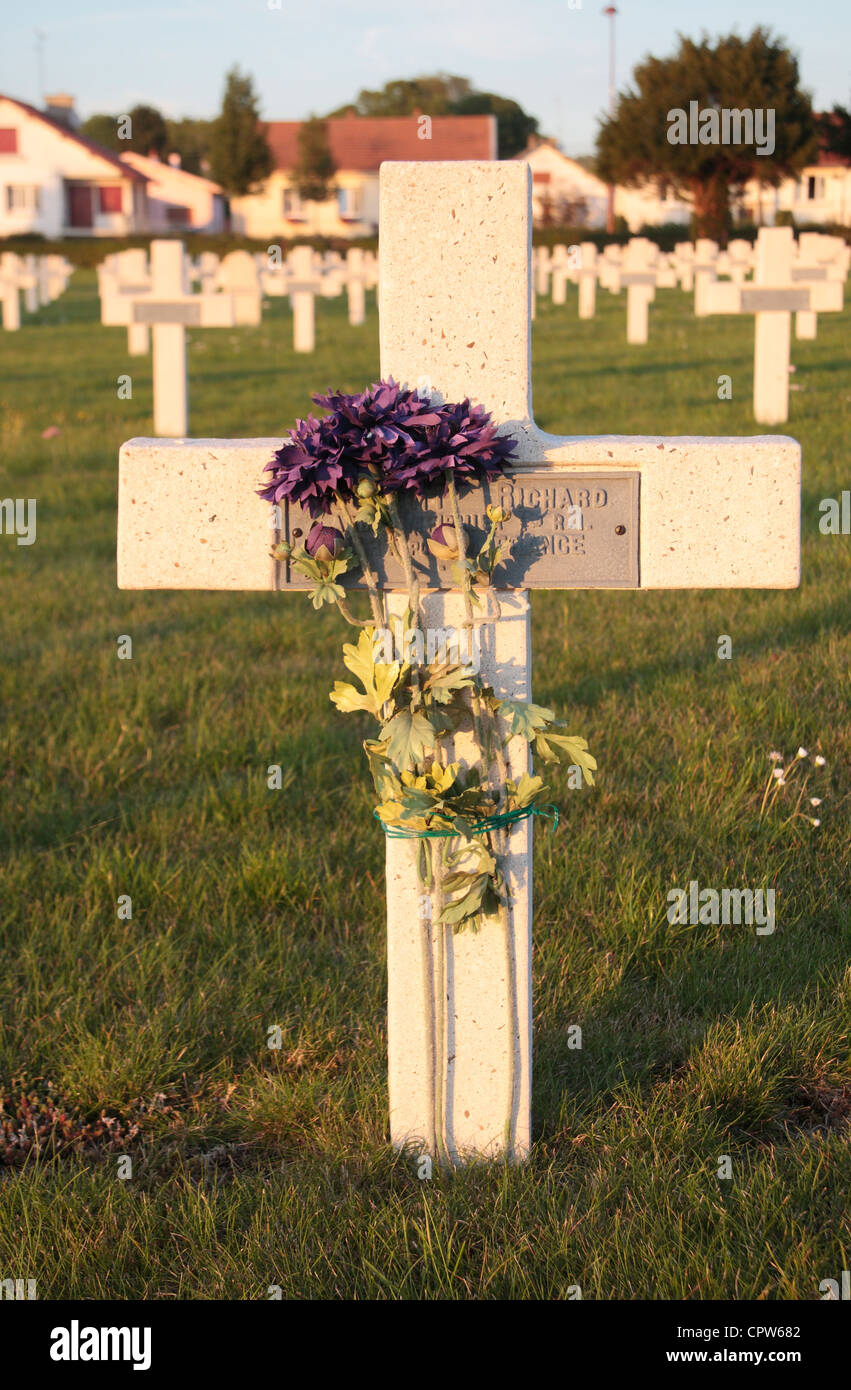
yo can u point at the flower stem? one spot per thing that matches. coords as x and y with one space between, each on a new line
502 838
349 615
375 598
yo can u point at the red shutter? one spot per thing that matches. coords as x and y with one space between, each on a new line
8 140
110 198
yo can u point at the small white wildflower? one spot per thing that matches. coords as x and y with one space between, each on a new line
819 760
775 756
779 773
815 822
802 753
815 800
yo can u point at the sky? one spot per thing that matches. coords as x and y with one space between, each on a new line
550 55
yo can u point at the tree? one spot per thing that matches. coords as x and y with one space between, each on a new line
313 176
513 125
103 130
834 129
147 131
443 94
239 154
403 96
740 77
191 140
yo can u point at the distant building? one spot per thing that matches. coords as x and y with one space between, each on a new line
55 182
564 192
821 194
177 199
359 145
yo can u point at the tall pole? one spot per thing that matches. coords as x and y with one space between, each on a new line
611 11
39 53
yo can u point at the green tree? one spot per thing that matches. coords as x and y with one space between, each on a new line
443 94
513 125
148 133
103 130
403 96
191 139
753 74
239 154
313 176
835 131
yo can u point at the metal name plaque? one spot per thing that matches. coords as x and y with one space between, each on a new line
756 300
154 311
569 531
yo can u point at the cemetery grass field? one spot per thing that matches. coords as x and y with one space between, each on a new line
252 908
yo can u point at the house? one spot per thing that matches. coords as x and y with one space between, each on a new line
176 198
359 145
564 192
56 182
820 195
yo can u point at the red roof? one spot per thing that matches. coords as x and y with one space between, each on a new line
362 142
91 145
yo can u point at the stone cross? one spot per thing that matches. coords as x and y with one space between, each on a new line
641 270
819 258
305 282
683 258
655 513
704 270
238 276
586 278
358 276
773 297
562 271
127 272
18 273
542 269
169 309
10 290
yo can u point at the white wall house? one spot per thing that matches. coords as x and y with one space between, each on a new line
177 198
820 194
563 191
359 145
55 182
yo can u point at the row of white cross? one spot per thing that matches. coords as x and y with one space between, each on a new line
159 299
39 279
805 280
454 313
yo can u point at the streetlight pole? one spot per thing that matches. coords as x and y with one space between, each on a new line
611 11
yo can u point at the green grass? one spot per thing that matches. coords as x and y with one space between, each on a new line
252 908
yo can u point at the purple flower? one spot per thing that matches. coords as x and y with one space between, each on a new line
443 543
324 542
390 436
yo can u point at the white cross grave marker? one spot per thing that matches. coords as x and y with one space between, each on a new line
819 258
704 271
773 297
126 272
10 291
238 276
358 275
586 277
714 513
169 308
305 282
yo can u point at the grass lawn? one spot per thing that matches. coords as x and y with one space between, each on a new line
252 908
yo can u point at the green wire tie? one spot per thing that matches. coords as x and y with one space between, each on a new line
479 827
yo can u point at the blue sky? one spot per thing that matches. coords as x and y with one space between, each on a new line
551 58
